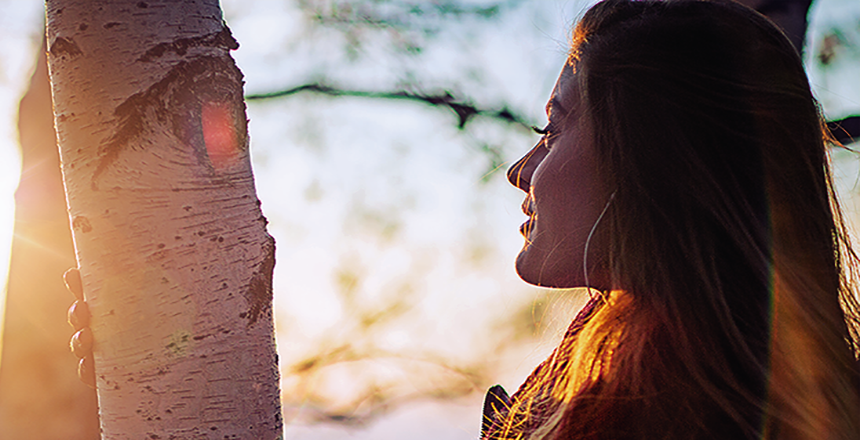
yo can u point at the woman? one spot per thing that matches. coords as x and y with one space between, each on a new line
683 176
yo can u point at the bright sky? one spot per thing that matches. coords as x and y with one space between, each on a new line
20 25
389 197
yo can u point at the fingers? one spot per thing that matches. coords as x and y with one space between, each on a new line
72 277
79 315
87 371
81 343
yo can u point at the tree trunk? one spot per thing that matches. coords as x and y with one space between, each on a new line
40 396
172 246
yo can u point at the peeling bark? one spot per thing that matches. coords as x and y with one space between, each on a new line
174 255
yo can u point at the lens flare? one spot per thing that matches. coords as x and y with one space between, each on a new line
219 134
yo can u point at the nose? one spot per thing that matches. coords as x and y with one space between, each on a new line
520 173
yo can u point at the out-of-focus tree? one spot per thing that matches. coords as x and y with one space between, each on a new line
40 396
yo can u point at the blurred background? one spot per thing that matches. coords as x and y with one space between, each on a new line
380 133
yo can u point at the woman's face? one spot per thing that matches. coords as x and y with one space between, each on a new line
565 198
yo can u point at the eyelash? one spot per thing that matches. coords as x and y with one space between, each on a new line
541 131
546 132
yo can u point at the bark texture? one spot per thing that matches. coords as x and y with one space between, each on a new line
172 246
40 396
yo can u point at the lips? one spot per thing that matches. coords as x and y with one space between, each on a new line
528 206
528 209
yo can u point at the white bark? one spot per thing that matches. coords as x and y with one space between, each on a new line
172 245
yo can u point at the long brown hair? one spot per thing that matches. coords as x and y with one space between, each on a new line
734 315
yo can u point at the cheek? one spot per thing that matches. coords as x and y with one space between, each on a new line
568 194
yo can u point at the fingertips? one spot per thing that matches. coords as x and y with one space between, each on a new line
72 278
87 371
79 315
82 343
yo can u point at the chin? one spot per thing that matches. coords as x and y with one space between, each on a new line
559 273
538 271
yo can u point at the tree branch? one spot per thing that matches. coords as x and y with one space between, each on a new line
464 111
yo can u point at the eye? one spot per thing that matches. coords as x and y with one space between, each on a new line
541 131
546 132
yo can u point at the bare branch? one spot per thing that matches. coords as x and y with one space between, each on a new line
464 111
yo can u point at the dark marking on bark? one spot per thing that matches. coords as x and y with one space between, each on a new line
259 292
65 46
221 40
142 5
111 24
83 26
81 223
176 101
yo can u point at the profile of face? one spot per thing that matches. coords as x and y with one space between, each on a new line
565 245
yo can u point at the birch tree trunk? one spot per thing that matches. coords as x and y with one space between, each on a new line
172 246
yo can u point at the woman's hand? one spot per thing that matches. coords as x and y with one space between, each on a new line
79 318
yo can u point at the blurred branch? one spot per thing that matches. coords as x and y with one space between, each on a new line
398 14
408 24
379 398
464 111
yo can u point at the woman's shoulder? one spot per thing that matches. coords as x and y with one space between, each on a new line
497 401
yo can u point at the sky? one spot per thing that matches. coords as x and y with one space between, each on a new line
380 205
